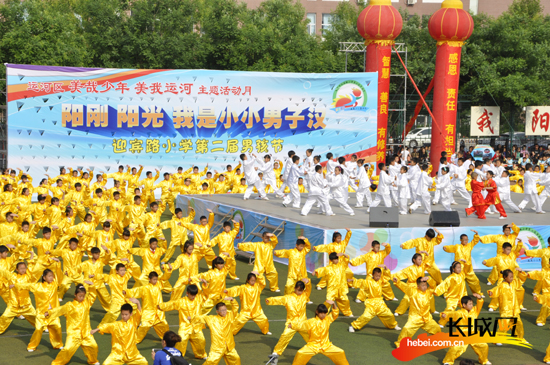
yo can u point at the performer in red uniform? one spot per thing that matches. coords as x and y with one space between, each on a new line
492 195
478 203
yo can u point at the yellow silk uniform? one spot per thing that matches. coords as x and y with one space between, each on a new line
543 277
186 189
78 330
123 341
118 284
216 287
499 239
151 222
319 342
58 193
44 261
296 267
222 343
134 219
44 190
151 316
411 273
371 261
18 302
122 248
544 254
39 214
295 312
337 284
151 262
422 244
509 302
517 188
464 252
196 177
166 194
72 271
221 187
239 188
544 300
503 262
98 208
374 304
98 289
263 253
85 242
178 233
6 198
419 314
454 288
116 215
338 248
202 235
148 191
45 296
120 176
133 179
225 241
481 349
251 305
55 217
188 331
188 266
105 238
7 265
76 199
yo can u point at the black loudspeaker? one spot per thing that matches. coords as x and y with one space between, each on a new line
443 218
384 217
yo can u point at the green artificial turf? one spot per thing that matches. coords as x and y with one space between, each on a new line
371 345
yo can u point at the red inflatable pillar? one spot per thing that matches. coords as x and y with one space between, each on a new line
450 26
380 23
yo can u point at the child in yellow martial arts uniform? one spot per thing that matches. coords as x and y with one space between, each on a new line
542 277
123 246
147 185
295 304
45 297
544 300
374 259
222 343
374 304
453 288
97 206
188 308
427 244
7 264
412 273
251 307
506 293
151 262
166 196
503 261
124 336
188 265
510 234
201 233
116 213
544 254
19 302
118 282
92 270
419 314
318 331
178 231
151 295
151 222
72 270
297 265
337 284
463 254
339 246
44 261
225 240
467 311
263 253
79 330
76 198
215 278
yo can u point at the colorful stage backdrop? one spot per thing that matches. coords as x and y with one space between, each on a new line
100 118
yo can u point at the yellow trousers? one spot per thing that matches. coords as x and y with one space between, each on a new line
375 308
209 256
481 349
230 357
473 282
336 354
505 323
10 313
543 314
387 291
198 343
493 276
115 359
538 287
170 252
434 272
452 303
286 337
160 328
72 343
260 319
5 294
341 299
54 328
547 357
231 265
104 297
273 278
289 287
65 284
520 293
414 324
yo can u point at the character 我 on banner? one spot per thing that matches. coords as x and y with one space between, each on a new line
485 121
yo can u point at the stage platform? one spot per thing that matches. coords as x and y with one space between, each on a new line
258 216
274 208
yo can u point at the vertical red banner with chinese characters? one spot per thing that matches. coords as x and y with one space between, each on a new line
447 75
379 60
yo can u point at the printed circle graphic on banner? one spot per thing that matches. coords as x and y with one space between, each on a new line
365 242
307 85
390 261
381 235
481 152
532 240
349 95
238 217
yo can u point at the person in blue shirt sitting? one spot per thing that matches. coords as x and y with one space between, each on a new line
169 341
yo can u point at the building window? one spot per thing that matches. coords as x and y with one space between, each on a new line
311 26
327 22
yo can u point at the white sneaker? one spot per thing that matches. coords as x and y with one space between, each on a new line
269 334
395 300
97 363
319 288
29 350
540 324
441 326
266 198
21 317
523 308
488 363
352 214
498 344
357 301
351 329
61 348
277 291
396 314
397 328
350 316
60 299
436 312
47 331
454 203
236 279
305 214
434 203
310 302
204 358
358 206
501 217
284 205
489 283
541 212
491 310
